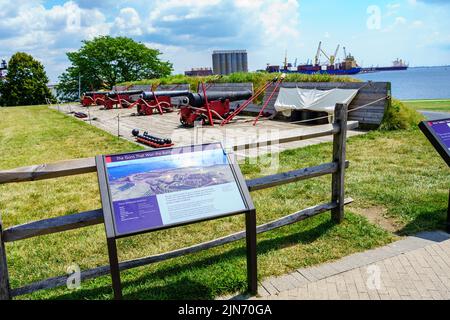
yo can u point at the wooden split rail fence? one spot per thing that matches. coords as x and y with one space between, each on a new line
79 220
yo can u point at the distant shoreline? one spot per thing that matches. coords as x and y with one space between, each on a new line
426 100
427 67
417 67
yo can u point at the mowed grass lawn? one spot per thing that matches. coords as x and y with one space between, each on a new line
429 105
398 173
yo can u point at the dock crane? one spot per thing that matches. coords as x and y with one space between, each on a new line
285 61
317 58
331 59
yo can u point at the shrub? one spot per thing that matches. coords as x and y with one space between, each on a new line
400 116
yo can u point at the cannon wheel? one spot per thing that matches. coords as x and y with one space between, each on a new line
185 124
201 117
204 118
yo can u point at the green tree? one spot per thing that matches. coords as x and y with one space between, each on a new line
105 61
25 82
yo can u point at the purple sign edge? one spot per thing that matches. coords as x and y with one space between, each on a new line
436 126
163 152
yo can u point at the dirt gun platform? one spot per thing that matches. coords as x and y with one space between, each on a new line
120 122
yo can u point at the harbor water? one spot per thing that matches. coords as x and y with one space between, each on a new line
415 83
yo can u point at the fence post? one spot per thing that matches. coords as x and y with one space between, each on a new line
448 213
5 289
339 148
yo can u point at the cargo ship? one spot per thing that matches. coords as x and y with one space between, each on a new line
397 65
348 66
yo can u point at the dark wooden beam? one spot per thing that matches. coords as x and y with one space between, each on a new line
89 218
104 270
292 176
339 151
53 225
309 133
87 165
5 290
48 171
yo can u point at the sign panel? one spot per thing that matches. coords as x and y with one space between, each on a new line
438 132
157 189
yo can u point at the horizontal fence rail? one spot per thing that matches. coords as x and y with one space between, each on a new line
87 165
331 130
89 218
48 171
104 270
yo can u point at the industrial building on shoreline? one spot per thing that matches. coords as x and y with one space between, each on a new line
229 61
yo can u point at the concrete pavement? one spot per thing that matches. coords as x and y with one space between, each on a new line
416 267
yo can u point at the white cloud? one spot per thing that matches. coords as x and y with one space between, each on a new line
186 31
248 4
191 7
400 21
280 21
277 21
47 33
417 24
392 8
128 22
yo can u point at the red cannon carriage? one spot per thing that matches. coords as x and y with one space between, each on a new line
151 102
206 108
121 99
93 98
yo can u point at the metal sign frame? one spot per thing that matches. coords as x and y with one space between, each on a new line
437 143
441 148
112 236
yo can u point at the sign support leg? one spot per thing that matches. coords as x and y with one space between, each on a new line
252 267
448 213
5 289
339 149
114 268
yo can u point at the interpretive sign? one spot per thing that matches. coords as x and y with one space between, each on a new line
438 132
157 189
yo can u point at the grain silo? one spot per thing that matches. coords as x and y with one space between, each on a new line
229 61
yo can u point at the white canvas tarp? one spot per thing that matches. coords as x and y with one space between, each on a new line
311 99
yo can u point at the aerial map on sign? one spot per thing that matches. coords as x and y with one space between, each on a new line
141 184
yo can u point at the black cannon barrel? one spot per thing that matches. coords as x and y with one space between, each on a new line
148 95
129 93
197 99
91 93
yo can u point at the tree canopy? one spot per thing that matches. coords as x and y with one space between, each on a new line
25 83
105 61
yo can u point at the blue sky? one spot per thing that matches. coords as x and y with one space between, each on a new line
187 31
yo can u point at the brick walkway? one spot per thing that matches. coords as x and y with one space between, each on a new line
413 268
